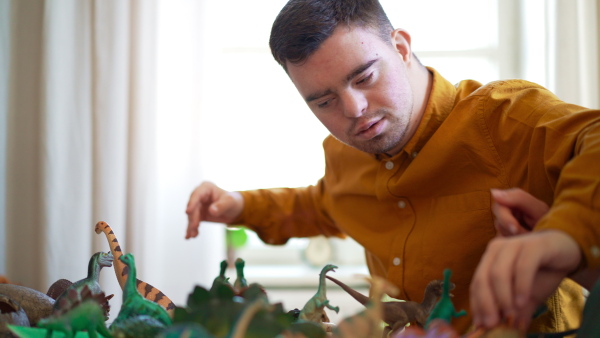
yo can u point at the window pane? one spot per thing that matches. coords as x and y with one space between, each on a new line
257 132
456 69
445 25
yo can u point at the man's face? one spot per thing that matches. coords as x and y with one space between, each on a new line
357 85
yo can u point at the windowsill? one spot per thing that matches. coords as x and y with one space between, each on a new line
300 276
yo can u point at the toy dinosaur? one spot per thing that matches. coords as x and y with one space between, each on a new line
57 288
220 279
97 262
397 314
84 312
136 308
367 323
240 288
240 281
444 308
121 270
313 310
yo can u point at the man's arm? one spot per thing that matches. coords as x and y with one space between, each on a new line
502 285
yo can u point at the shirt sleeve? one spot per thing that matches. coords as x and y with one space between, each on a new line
576 208
278 214
551 149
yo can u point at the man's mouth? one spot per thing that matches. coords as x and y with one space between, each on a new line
369 129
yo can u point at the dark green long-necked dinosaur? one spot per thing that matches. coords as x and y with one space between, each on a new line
136 311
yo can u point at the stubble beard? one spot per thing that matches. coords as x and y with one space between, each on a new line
389 140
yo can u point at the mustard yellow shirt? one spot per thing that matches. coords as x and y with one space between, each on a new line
429 207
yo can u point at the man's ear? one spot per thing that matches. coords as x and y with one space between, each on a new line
401 41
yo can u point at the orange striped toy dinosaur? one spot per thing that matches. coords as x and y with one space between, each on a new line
122 271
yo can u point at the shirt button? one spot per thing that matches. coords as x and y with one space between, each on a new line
389 165
414 154
402 204
396 261
595 251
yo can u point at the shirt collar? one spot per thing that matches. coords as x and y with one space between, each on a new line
440 104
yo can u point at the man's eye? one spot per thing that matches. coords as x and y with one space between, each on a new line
365 80
323 104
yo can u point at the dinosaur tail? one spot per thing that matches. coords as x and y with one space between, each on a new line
122 271
355 294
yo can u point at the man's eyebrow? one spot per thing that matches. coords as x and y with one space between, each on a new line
360 69
349 78
316 96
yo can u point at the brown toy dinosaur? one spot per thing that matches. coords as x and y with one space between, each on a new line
122 271
397 314
367 323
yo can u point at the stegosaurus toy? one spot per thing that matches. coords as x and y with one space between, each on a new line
86 312
98 261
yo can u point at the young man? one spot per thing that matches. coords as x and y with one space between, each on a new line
410 163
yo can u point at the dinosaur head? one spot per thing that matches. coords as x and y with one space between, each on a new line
105 259
239 263
436 287
327 268
100 226
127 259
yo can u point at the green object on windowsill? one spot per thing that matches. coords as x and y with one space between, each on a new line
236 237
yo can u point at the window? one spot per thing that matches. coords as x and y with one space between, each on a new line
254 129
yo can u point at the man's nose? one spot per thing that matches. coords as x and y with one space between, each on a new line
355 104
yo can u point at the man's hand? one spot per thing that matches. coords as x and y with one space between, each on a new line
210 203
516 274
516 211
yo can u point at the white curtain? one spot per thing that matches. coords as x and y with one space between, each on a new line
560 47
83 141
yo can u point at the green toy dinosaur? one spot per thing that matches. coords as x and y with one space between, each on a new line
220 279
136 308
444 308
313 310
97 262
240 281
85 314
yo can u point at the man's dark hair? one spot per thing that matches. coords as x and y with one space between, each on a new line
303 25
